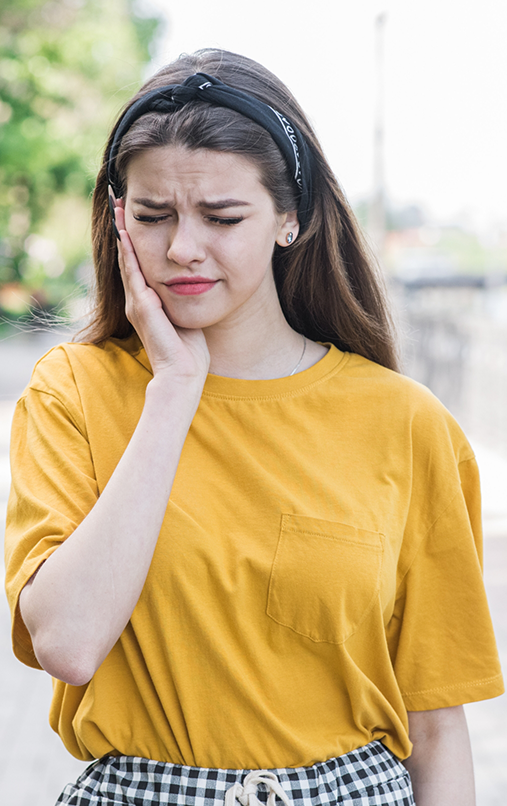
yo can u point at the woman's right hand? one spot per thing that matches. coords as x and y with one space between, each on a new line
78 604
179 352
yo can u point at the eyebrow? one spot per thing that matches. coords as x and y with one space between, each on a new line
222 204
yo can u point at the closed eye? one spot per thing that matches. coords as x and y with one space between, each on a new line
224 221
151 219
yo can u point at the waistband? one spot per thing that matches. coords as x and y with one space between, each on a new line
369 772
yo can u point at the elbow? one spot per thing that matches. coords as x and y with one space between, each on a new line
59 647
70 665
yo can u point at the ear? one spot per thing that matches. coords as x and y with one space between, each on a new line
289 224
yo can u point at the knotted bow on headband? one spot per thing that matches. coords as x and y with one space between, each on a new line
210 90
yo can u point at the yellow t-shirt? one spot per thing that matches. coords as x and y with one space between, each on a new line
317 572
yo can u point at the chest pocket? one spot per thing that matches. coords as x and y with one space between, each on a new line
325 578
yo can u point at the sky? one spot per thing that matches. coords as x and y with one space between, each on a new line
444 87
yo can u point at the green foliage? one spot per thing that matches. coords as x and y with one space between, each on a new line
66 68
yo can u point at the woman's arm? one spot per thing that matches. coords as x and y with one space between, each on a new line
82 597
441 765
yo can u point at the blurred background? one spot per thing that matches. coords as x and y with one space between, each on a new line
408 98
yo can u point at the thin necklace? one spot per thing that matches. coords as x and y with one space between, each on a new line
300 360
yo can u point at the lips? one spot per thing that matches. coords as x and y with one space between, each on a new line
185 286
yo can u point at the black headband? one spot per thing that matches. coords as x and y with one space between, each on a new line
209 89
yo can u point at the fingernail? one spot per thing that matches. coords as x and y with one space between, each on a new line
111 208
115 230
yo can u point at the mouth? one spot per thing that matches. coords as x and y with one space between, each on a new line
186 286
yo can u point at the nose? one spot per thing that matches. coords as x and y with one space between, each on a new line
186 243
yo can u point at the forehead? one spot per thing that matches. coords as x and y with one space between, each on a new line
176 170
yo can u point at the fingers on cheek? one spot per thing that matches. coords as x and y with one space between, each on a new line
119 217
124 268
123 253
125 250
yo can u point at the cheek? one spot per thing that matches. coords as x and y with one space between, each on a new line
258 257
149 245
249 254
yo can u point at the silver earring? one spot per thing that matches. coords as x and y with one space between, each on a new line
290 237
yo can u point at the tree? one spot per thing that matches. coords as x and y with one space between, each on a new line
66 68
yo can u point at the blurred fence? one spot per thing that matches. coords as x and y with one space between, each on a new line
454 340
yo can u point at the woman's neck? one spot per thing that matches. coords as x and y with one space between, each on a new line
259 348
253 353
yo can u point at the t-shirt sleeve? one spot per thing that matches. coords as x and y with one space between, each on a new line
53 482
441 637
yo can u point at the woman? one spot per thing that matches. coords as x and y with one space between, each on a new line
239 540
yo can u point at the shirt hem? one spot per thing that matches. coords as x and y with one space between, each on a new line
458 694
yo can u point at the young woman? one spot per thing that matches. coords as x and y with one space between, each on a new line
245 547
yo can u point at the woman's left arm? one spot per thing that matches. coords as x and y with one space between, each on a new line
441 765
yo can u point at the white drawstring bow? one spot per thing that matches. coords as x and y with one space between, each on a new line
246 793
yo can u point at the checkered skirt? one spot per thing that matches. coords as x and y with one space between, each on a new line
369 776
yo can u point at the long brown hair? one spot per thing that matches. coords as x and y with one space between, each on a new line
328 281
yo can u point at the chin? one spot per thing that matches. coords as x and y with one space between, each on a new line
191 320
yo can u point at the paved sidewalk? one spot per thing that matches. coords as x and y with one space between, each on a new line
34 766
